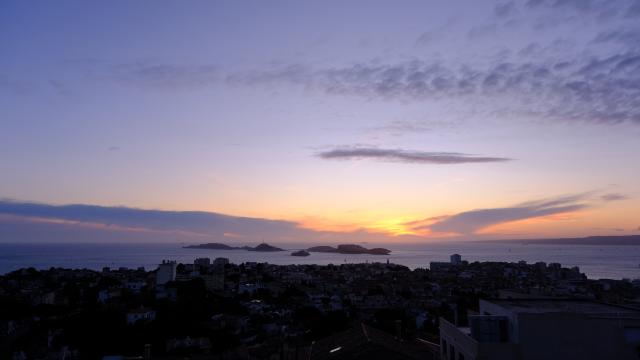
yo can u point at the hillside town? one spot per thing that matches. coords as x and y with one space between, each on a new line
214 309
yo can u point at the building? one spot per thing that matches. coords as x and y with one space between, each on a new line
220 262
213 282
202 262
439 266
249 288
142 314
166 272
189 343
135 286
364 342
527 329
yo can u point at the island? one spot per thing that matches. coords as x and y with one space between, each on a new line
300 253
264 247
211 246
349 249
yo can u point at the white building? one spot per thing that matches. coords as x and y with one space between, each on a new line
166 272
528 329
456 259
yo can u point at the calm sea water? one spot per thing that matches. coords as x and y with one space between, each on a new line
597 261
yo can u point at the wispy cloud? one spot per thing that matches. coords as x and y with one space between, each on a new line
505 9
596 89
404 156
208 223
162 75
37 222
601 9
470 222
627 37
614 197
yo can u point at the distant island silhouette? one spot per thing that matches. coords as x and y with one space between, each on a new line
349 249
264 247
300 253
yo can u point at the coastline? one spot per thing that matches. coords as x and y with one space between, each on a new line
622 260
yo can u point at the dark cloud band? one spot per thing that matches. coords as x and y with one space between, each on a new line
597 89
470 222
417 157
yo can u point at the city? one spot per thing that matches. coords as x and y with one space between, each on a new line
320 180
213 309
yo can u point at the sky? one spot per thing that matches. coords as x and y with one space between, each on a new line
319 121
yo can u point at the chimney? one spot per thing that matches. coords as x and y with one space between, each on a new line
398 324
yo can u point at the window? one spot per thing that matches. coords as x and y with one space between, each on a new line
444 347
452 353
460 356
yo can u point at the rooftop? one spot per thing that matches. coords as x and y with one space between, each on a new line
365 342
563 305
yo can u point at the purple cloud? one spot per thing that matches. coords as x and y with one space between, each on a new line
470 222
404 156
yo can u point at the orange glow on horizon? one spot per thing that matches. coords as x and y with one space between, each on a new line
398 226
516 226
390 226
394 226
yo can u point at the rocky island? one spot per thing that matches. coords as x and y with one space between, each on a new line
349 249
264 247
300 253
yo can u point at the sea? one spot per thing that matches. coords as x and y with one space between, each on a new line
596 261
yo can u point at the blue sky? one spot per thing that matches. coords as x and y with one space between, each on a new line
334 117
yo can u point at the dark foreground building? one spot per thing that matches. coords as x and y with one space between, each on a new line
548 329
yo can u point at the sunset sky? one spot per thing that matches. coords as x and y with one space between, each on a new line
242 121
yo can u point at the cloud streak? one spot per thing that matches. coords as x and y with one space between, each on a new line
36 222
613 197
170 76
403 156
593 89
197 222
470 222
601 9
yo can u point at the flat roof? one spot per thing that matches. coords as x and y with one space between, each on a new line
562 305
